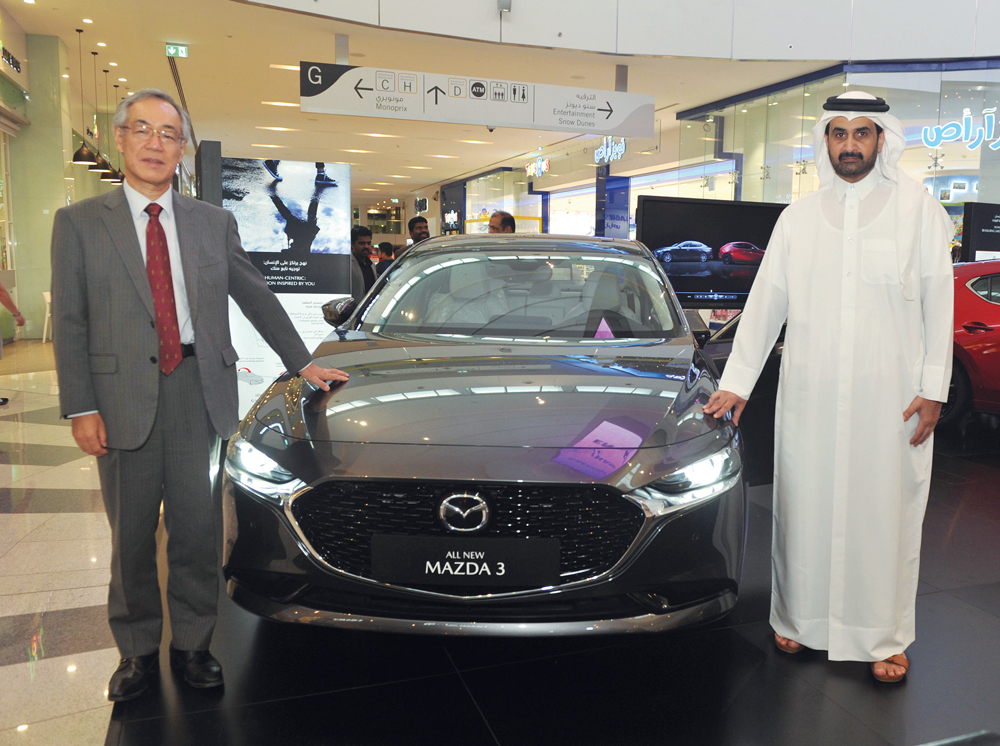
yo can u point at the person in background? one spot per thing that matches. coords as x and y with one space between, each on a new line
362 274
141 281
501 222
386 255
9 304
418 229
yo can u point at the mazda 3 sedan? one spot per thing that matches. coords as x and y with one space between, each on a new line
520 450
685 251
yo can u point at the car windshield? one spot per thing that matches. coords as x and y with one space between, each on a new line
534 294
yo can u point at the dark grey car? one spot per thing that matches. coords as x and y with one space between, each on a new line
520 450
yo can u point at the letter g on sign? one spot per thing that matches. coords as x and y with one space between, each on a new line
315 75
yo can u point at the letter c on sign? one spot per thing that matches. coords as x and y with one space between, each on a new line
315 75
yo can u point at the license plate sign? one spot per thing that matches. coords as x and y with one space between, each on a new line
477 562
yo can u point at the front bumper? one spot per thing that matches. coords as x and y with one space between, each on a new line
682 569
695 614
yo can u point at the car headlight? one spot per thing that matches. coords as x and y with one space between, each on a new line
691 484
259 473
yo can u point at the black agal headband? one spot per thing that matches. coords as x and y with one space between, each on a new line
872 105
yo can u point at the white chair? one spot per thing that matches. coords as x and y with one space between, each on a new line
48 314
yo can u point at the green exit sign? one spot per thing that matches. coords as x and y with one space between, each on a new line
177 50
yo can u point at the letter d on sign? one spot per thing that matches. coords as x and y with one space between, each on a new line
315 75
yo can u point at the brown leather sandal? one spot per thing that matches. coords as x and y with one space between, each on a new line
785 647
899 659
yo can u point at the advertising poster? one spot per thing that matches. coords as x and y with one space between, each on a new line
295 221
296 230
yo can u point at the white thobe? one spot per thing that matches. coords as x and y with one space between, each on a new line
849 489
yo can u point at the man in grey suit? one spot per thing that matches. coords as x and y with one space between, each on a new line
140 279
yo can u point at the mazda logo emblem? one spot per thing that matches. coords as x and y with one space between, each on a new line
464 512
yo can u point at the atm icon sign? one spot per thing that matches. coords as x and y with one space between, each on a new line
478 89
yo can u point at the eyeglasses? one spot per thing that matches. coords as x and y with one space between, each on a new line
144 132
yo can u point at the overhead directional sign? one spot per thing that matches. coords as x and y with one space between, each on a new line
431 97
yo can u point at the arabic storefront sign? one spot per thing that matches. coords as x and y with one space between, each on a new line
964 131
537 168
610 150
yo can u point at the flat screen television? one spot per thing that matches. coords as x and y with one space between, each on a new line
710 249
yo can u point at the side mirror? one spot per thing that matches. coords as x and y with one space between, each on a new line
701 336
336 312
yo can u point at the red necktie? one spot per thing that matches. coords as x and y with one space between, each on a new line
161 282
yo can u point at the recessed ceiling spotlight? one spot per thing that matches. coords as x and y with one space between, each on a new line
277 103
87 20
377 134
356 151
475 142
444 156
65 75
278 129
382 183
419 168
113 64
397 176
122 80
366 189
101 44
264 145
285 67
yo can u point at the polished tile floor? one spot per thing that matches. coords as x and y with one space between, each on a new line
722 684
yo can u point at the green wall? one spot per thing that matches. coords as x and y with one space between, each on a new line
43 179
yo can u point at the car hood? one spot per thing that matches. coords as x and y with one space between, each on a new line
410 392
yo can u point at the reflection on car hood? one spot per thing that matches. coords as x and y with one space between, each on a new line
624 395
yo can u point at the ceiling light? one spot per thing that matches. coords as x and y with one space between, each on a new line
113 64
420 168
369 190
84 156
285 67
377 134
87 20
277 103
101 44
30 2
278 129
265 145
475 142
397 176
123 80
65 75
357 151
382 183
444 156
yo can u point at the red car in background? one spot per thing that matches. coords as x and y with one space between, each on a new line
741 252
975 379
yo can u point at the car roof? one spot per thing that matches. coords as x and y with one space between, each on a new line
967 270
533 242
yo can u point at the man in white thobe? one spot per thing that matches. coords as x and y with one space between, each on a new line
861 271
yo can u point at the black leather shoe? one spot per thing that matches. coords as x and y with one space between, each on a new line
199 667
132 677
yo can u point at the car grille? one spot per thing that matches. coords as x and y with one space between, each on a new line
594 524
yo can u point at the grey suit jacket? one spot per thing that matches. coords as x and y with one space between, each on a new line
106 345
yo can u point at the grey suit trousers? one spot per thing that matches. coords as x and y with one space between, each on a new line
174 466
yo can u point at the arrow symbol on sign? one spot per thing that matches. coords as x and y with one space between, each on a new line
358 88
609 110
435 90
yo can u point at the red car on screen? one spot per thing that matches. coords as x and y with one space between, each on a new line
741 252
975 379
